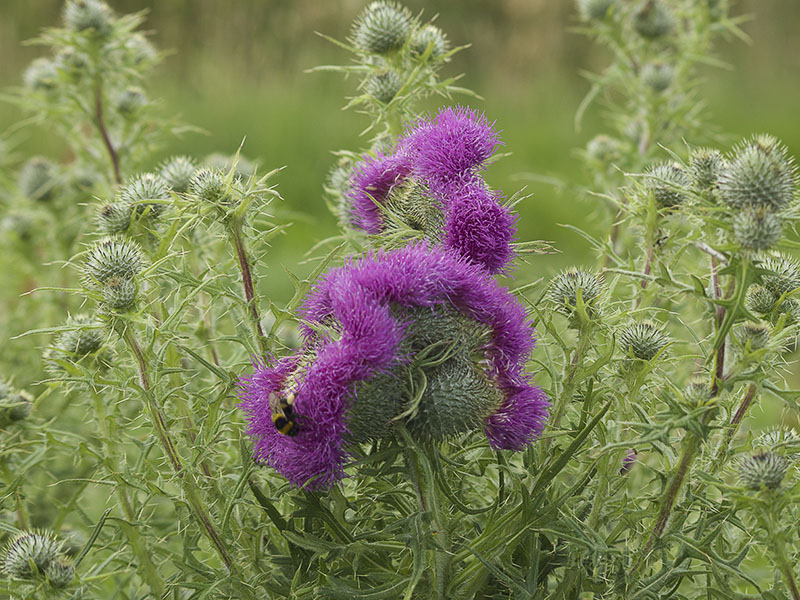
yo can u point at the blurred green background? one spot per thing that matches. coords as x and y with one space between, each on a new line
236 69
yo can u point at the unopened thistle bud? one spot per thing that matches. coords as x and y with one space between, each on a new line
764 470
91 16
130 101
697 391
668 182
563 291
761 173
60 572
41 75
643 340
759 299
147 193
383 86
705 166
140 48
115 217
73 63
209 186
653 19
594 10
757 228
29 554
429 36
37 178
112 257
603 149
382 27
119 294
658 75
15 406
754 335
784 276
83 337
178 172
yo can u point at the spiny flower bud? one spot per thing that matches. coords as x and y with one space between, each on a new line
29 554
15 406
643 340
83 337
141 192
785 275
60 572
756 335
563 290
759 299
41 75
781 440
112 257
705 165
697 390
37 178
91 16
73 63
653 19
429 36
761 173
119 294
603 149
130 101
382 27
383 86
209 186
766 469
757 228
140 49
667 181
178 171
115 217
594 10
658 75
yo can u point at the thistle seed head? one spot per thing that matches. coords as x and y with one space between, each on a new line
594 10
146 193
114 217
177 172
60 572
29 554
705 166
429 36
785 274
209 186
756 335
763 470
119 294
112 257
653 19
761 173
91 16
563 290
41 76
643 340
383 86
382 27
757 228
668 182
658 75
37 179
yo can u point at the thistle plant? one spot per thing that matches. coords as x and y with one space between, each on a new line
420 419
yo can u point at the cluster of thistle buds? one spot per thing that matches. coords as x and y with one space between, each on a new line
37 556
111 268
15 405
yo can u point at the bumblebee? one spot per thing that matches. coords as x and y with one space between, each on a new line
282 414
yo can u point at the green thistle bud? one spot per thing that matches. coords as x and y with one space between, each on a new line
146 193
705 166
563 291
115 217
429 36
41 76
92 16
783 441
29 554
209 186
38 178
383 27
383 86
594 10
764 470
83 337
756 335
643 340
697 390
178 171
112 257
60 572
658 75
15 406
140 49
759 299
130 101
604 149
785 274
668 182
73 63
653 19
757 228
761 173
119 294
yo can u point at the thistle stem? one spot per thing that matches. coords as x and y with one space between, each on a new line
235 231
101 127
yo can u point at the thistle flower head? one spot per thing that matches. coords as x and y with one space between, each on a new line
594 10
383 86
658 75
756 335
628 462
564 288
146 193
29 553
385 310
668 182
757 228
759 299
130 101
37 178
112 257
653 19
643 340
177 172
429 36
41 75
114 217
91 16
760 173
763 470
382 27
372 180
209 186
60 572
784 274
705 165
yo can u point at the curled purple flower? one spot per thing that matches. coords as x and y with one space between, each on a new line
628 461
372 180
380 310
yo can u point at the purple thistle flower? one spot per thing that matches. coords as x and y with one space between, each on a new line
628 461
371 182
358 299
